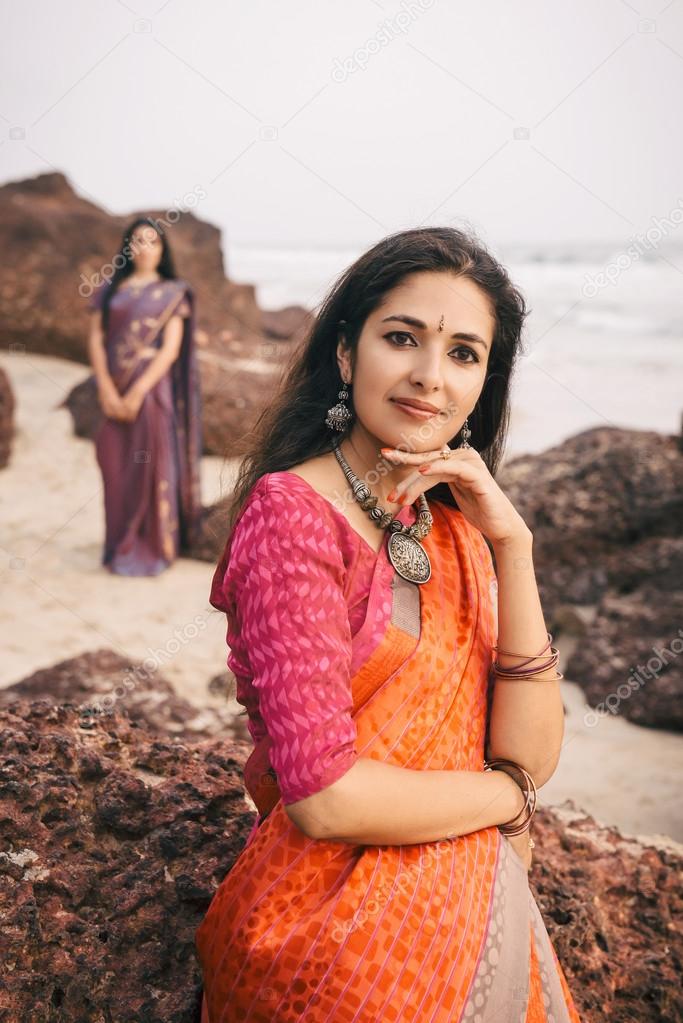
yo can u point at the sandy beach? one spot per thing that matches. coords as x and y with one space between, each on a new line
59 602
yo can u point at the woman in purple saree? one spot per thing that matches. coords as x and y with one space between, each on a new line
148 444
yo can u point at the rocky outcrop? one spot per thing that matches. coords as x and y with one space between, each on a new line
290 323
114 840
6 419
102 681
235 391
214 532
606 511
612 906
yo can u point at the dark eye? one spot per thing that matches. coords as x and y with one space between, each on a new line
461 348
398 333
464 348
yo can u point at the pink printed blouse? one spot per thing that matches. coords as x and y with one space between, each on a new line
295 591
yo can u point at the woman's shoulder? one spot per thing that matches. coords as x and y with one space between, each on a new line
293 509
298 490
309 478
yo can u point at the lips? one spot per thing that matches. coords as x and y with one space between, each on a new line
418 409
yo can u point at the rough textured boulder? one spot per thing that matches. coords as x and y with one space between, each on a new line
629 658
235 390
214 532
83 404
592 499
114 839
6 419
606 510
102 680
290 323
612 906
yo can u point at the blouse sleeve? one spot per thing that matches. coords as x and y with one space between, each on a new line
284 582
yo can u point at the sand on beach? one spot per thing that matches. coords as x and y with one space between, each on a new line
60 602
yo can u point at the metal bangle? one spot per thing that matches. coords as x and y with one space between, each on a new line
511 828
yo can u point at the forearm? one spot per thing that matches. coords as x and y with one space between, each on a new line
376 803
157 368
527 717
163 360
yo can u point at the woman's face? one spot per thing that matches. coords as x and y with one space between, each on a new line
400 359
146 248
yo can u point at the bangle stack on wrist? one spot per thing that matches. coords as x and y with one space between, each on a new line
516 826
522 671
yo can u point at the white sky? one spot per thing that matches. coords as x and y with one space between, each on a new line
140 102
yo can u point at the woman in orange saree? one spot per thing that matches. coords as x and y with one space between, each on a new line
320 930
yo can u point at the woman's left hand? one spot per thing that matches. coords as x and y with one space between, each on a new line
479 497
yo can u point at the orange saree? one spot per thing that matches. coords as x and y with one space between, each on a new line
330 932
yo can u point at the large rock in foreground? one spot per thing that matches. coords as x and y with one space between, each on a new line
114 841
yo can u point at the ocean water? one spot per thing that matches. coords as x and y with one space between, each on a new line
603 341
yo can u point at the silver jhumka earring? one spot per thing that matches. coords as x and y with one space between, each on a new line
339 415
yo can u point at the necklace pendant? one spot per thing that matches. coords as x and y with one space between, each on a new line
409 558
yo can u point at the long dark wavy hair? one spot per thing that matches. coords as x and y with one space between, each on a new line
123 261
291 429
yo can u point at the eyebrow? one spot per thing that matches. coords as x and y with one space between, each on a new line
460 336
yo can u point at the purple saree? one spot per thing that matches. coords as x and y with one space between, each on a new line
150 467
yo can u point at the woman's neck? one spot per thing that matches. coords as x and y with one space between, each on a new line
142 278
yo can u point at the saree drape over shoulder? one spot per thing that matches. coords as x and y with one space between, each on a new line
344 658
150 467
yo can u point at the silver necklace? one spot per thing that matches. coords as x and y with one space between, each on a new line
406 553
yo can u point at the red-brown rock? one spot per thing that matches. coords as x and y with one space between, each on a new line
113 841
102 680
288 324
6 419
606 511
